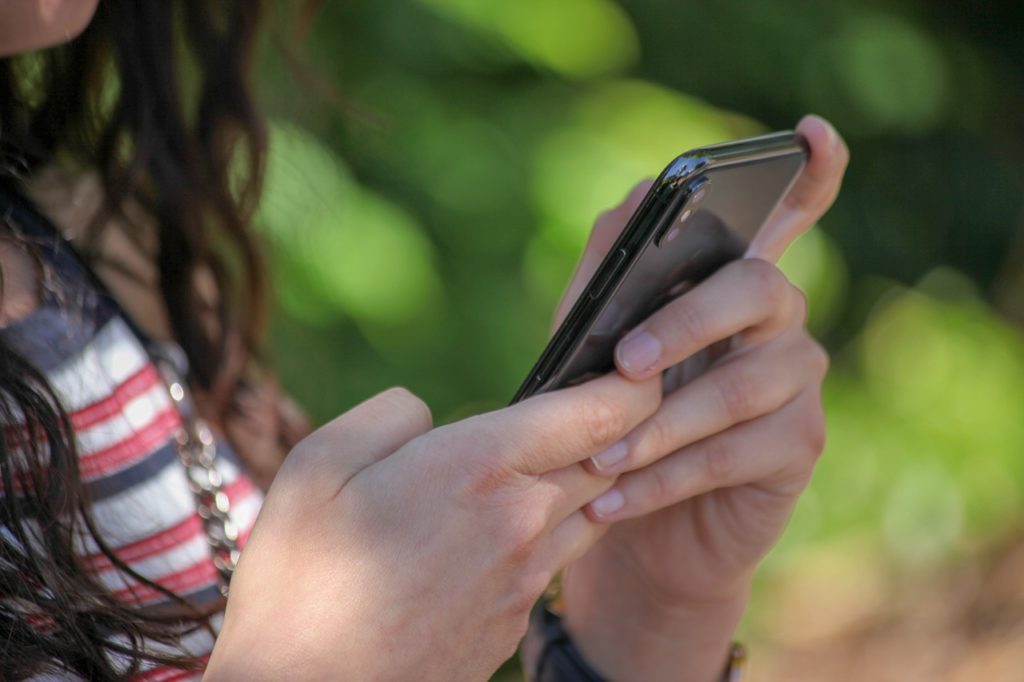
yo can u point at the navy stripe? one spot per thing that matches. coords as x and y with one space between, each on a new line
50 336
108 486
144 469
71 308
202 599
207 596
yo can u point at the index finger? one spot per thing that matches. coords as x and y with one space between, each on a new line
810 196
749 295
554 430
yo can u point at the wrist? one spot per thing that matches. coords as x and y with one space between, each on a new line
627 637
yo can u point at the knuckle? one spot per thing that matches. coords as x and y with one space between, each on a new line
657 437
517 630
300 459
603 420
484 477
409 406
767 280
521 539
662 486
719 462
655 395
819 357
814 433
304 469
526 589
306 449
689 322
306 457
736 394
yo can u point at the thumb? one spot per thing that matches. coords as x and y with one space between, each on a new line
326 460
810 196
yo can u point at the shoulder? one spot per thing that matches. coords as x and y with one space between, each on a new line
122 251
19 281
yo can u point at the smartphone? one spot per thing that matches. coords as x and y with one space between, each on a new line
702 212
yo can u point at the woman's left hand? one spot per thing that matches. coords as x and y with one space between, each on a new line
707 484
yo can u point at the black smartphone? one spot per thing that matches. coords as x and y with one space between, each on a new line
701 213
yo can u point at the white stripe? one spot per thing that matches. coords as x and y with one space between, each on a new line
177 558
157 504
105 362
54 677
148 507
133 417
197 643
228 470
245 510
181 556
173 560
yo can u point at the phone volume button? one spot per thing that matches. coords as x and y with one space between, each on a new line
615 266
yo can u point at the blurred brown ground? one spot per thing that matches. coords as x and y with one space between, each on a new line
965 624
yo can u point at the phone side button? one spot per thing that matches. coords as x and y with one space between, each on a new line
609 274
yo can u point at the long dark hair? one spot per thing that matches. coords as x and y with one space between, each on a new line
190 151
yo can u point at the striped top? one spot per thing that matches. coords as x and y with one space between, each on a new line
124 422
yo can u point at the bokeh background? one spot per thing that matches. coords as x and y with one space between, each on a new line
435 168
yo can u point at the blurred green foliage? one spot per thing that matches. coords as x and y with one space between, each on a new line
423 218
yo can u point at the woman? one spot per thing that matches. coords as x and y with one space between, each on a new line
385 548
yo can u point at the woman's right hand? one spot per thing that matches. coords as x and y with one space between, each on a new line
388 550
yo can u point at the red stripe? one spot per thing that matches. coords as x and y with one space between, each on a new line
245 489
140 443
127 390
175 536
195 576
119 455
150 545
239 489
111 406
105 408
167 674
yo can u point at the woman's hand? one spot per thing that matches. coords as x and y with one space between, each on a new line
706 484
388 550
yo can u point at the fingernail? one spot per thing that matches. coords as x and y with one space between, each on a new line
609 503
830 132
638 352
816 121
833 137
610 457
